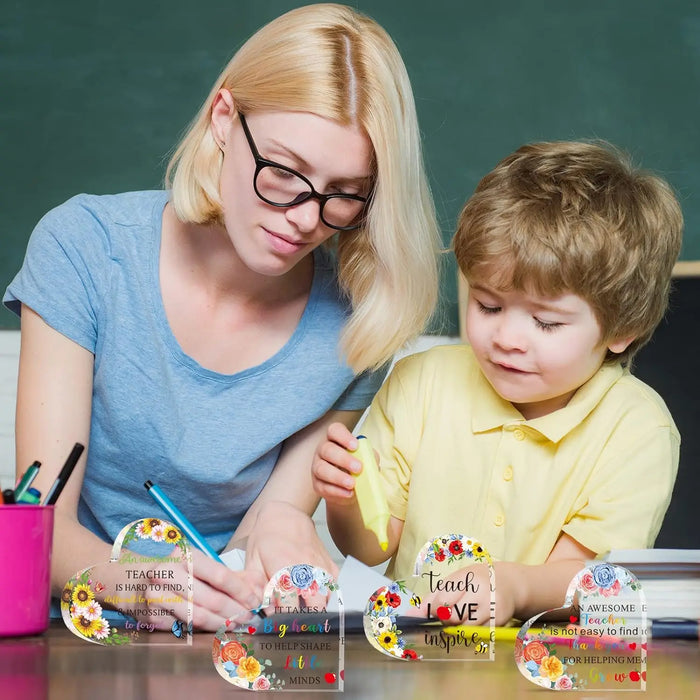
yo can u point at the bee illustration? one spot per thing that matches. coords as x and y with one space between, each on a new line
481 647
415 600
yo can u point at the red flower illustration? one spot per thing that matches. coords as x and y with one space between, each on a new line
456 547
393 600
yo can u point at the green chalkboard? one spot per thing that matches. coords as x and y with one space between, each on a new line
95 93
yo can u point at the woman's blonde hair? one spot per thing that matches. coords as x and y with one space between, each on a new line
339 64
577 217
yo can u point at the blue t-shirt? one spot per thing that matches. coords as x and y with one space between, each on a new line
209 440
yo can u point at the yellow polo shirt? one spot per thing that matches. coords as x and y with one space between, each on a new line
457 458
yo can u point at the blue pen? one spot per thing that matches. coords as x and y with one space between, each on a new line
181 521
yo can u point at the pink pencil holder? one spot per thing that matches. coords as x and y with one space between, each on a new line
26 533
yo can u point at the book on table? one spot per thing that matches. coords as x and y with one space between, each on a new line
670 580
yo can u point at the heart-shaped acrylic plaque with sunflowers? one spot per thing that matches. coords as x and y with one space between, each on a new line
145 587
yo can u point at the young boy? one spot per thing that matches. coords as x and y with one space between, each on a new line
535 439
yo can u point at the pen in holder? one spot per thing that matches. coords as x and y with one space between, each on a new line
370 494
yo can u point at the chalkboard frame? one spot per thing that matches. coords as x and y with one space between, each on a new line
97 94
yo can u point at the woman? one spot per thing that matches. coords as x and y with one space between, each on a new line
204 337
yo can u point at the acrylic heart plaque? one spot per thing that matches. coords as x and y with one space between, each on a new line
600 640
297 645
145 587
433 615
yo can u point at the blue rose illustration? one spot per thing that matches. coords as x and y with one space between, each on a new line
230 668
533 667
302 575
604 575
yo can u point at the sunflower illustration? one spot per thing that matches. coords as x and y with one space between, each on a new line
85 626
82 594
380 603
66 594
172 535
146 526
387 640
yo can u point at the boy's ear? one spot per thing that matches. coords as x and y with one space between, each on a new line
620 345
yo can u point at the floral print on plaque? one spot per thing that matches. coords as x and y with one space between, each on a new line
145 587
296 642
445 612
600 640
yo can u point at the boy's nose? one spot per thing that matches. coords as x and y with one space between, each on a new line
510 335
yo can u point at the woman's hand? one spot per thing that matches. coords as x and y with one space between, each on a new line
222 595
278 529
283 536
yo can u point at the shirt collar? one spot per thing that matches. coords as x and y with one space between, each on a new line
494 412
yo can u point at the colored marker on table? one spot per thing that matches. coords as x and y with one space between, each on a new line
500 634
26 481
64 474
370 494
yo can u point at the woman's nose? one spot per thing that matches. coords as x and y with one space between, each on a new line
305 216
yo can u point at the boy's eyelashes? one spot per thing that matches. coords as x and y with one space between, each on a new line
487 309
547 326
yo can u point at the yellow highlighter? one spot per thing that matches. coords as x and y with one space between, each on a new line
370 494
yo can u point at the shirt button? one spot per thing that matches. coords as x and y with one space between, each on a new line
518 434
508 474
499 520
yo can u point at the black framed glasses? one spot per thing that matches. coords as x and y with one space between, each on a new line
281 186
